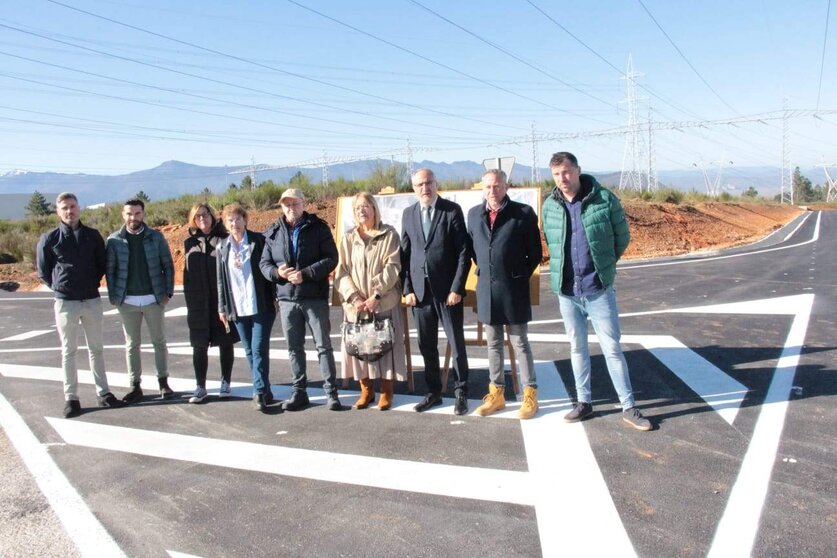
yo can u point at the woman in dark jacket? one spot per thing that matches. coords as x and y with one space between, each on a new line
245 298
200 289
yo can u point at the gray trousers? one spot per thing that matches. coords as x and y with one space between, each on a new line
518 333
132 317
68 315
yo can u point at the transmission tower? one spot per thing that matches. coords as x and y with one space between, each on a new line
713 185
635 159
409 158
652 157
536 172
787 172
831 194
325 169
252 172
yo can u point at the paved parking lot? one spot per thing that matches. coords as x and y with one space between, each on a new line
731 355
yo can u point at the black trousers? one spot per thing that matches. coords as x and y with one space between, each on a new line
427 315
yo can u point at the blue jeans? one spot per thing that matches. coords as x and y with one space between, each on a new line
295 315
255 337
602 311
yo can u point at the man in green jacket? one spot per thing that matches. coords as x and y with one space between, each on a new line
140 276
587 233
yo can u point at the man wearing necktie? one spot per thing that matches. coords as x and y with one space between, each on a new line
435 260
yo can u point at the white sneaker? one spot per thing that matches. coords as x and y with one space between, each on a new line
198 396
225 391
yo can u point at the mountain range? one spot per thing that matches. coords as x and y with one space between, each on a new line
175 178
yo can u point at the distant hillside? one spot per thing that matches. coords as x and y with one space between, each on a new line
174 178
13 206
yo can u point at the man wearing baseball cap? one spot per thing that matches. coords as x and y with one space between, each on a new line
299 255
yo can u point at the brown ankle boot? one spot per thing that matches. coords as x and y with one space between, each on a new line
385 402
367 394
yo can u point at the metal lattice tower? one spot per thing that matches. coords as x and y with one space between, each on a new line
652 157
713 185
409 158
787 172
831 194
536 172
252 172
325 169
634 160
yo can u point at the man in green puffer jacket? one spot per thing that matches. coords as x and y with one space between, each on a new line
587 233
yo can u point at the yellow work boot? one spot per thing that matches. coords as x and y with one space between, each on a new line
529 407
493 402
367 394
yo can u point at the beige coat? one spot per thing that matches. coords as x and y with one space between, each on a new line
366 268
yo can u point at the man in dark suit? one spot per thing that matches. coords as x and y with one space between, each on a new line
435 259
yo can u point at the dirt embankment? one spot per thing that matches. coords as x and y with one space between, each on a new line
657 229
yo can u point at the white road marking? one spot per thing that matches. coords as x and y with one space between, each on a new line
456 481
28 335
739 525
813 239
174 554
81 525
574 507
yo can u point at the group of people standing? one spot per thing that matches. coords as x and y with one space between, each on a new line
237 277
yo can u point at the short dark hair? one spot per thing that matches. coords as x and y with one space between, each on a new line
135 201
562 157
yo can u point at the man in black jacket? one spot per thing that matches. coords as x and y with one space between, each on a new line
507 248
435 260
71 262
299 254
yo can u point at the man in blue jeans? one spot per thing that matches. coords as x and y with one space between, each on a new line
587 233
299 254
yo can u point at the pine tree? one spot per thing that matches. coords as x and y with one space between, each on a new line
37 206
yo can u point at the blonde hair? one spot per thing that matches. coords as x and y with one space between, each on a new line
192 222
370 199
235 209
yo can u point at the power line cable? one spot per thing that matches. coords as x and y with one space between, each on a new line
437 63
621 73
254 63
246 88
683 56
512 55
822 61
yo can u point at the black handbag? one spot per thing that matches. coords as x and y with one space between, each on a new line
368 338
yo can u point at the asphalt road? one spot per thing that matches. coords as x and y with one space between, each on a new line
731 356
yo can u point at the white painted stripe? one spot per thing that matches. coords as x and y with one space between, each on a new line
429 478
81 525
574 508
174 554
720 391
28 335
176 312
738 527
802 222
813 239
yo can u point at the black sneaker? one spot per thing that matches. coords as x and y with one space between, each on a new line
297 401
633 417
333 401
133 396
109 401
460 404
72 408
579 412
268 397
259 402
165 391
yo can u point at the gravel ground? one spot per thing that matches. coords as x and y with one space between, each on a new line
28 526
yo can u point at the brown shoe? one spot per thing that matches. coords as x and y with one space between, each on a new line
493 402
385 402
529 408
367 394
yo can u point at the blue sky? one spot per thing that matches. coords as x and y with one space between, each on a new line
217 83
